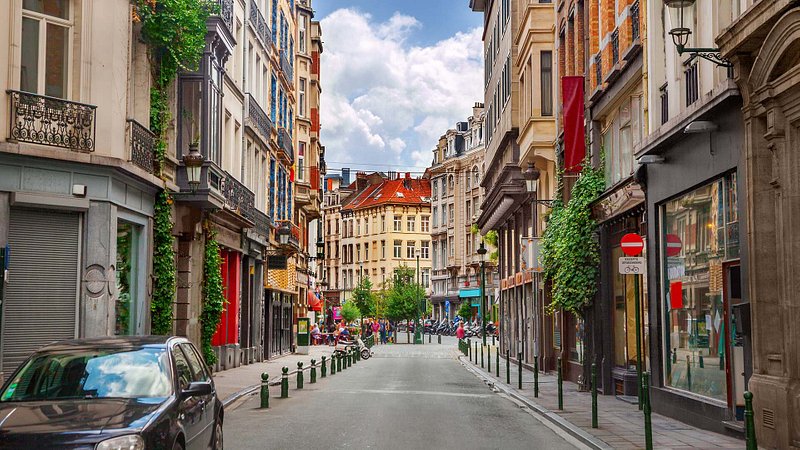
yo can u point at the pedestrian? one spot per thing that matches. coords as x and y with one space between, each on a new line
376 327
383 331
460 331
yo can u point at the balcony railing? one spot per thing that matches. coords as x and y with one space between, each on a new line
598 69
285 143
635 20
142 143
261 222
286 66
237 197
226 13
260 25
258 119
40 119
615 47
294 237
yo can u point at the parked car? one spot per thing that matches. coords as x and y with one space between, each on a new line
132 393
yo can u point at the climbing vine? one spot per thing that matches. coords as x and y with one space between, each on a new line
570 251
174 31
213 299
163 266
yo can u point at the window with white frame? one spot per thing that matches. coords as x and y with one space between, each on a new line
301 156
426 224
398 223
302 98
303 26
383 249
411 223
398 249
425 249
45 48
410 247
435 216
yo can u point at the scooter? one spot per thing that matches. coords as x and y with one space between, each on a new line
344 346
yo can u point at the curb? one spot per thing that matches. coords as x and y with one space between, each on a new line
576 432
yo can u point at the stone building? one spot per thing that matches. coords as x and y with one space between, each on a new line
456 197
336 189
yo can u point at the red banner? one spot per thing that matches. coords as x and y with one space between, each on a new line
574 142
676 295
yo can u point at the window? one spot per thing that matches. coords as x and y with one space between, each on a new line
692 84
451 184
199 372
451 246
366 225
398 249
45 56
411 222
547 83
452 213
426 224
444 217
663 94
383 224
469 207
398 223
410 247
435 216
435 189
622 132
301 156
358 227
425 249
358 252
426 278
366 252
303 25
383 249
302 98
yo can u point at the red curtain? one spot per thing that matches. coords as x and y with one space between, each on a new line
228 328
574 142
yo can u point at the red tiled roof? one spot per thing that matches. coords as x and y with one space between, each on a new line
402 191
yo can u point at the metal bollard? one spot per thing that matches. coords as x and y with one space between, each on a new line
299 375
469 349
674 356
439 338
688 372
429 338
285 382
482 364
323 370
339 363
476 353
648 427
497 361
493 343
594 395
333 364
702 363
508 367
536 377
265 390
313 371
560 386
350 359
749 424
489 359
519 369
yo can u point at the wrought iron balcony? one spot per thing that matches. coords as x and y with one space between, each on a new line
257 119
615 47
634 12
261 221
286 66
260 25
226 13
40 119
238 198
141 142
598 69
285 144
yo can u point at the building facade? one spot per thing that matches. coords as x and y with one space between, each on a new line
336 189
456 197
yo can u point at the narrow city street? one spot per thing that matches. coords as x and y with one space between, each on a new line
405 397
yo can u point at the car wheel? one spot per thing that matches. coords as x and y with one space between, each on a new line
218 435
177 446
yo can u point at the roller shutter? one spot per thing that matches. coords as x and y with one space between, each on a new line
41 296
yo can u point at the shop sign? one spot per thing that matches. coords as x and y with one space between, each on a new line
630 265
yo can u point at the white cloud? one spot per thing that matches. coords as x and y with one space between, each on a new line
387 102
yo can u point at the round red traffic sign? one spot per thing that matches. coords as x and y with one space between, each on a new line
632 244
674 245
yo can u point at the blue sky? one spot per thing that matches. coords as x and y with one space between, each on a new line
395 76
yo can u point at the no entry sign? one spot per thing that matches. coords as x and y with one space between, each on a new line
674 245
632 244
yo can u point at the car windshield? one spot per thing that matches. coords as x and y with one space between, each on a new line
88 374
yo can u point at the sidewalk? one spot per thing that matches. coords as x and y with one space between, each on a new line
621 425
235 383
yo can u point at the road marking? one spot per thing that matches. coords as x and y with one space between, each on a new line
399 392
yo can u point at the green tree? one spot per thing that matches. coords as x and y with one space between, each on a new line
364 299
403 296
350 312
465 310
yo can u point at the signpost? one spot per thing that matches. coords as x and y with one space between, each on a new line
632 245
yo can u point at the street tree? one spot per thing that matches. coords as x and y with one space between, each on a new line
364 298
465 310
350 312
403 297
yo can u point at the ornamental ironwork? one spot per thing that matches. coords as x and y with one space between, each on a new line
261 221
237 197
285 143
598 69
635 20
40 119
261 27
226 13
286 66
142 145
615 47
258 119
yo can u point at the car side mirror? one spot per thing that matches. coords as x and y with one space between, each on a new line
197 389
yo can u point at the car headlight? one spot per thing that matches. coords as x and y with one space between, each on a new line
127 442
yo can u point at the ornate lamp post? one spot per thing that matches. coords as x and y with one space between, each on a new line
283 233
482 311
194 166
678 11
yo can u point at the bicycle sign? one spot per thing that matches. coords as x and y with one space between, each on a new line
629 265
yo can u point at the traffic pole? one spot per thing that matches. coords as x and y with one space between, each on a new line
648 427
497 361
469 350
638 337
594 395
508 367
536 377
489 359
482 365
560 387
265 390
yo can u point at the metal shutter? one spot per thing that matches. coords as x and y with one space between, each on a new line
40 304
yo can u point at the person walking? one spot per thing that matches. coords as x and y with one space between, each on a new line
376 327
460 331
383 331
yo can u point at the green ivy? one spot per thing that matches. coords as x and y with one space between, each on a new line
174 31
213 299
163 266
570 251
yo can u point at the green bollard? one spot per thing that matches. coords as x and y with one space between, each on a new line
285 382
350 359
702 364
493 340
519 369
264 390
648 427
313 371
536 376
594 395
722 361
439 338
560 387
476 353
299 375
469 350
339 363
482 364
497 361
323 371
508 367
429 338
689 372
749 424
333 364
489 359
674 356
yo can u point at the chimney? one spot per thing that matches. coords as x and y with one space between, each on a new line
345 176
408 175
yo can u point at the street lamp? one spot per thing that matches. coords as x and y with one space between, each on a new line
417 330
532 175
678 11
194 166
283 232
482 254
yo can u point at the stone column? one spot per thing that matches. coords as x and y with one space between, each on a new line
98 276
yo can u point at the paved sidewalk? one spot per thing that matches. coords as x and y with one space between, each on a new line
621 424
232 384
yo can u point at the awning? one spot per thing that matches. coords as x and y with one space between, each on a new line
314 303
499 213
467 293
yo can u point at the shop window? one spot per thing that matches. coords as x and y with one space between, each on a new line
128 309
700 233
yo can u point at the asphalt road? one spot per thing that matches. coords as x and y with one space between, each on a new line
405 397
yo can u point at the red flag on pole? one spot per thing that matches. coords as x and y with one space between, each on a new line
574 143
